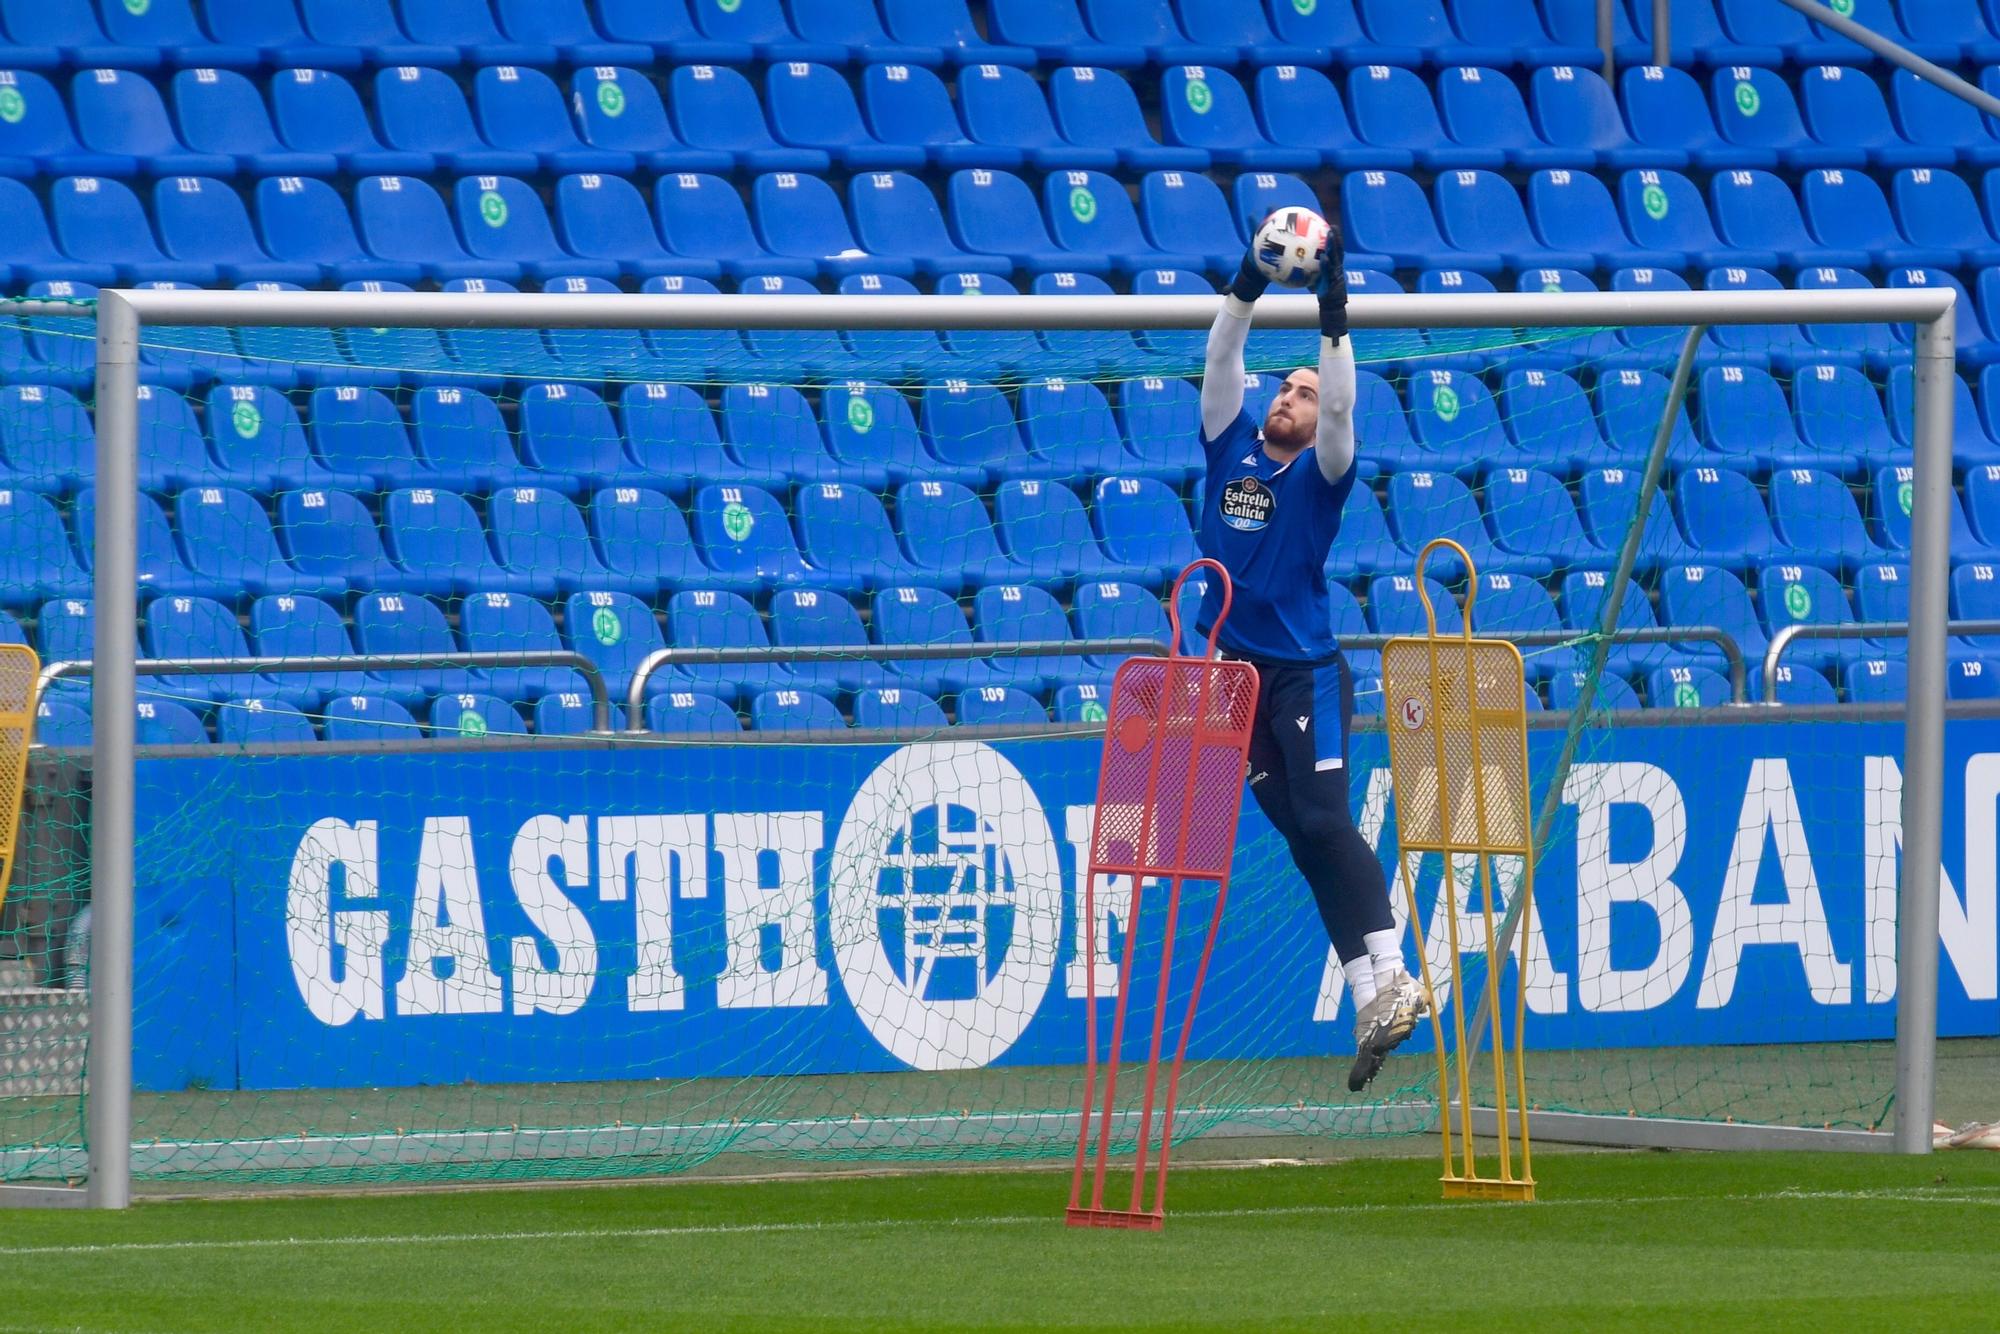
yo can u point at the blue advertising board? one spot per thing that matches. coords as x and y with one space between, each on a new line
646 912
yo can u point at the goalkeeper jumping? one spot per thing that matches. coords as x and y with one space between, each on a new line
1270 514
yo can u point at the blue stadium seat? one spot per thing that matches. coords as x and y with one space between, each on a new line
438 546
1950 24
468 25
331 534
1707 595
163 722
672 440
1515 28
1798 42
643 535
793 711
1348 620
1982 500
171 452
897 707
567 430
1160 419
1941 121
1427 505
845 535
1243 27
565 26
1421 25
1299 107
464 445
402 218
1392 108
50 33
222 114
1889 510
1514 604
1668 111
708 619
1609 499
1366 546
872 434
761 25
193 627
1725 520
36 137
1178 348
1385 213
169 26
993 706
1070 429
1846 208
228 537
370 26
319 112
995 212
1936 210
1025 613
1481 212
204 220
1845 108
717 108
469 717
1143 524
1551 423
65 631
1583 595
1482 108
1806 594
161 568
889 353
405 623
1575 110
1205 107
1877 681
1095 108
1003 107
46 437
1150 25
36 560
773 437
1532 515
811 106
947 534
424 111
1975 342
800 217
604 219
896 214
274 34
617 632
541 539
1975 596
689 712
1044 528
369 718
1748 423
306 221
1332 33
743 535
619 110
102 220
1882 593
1817 520
1457 426
361 441
1697 37
31 253
1573 23
1055 32
702 216
1188 218
1395 608
967 426
850 24
1081 703
1091 217
907 104
263 722
1665 215
1755 110
283 626
1114 610
1629 406
1798 684
927 616
816 618
1832 344
1970 444
946 26
1840 418
1758 215
1686 687
523 110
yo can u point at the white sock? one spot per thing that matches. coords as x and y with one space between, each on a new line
1385 956
1360 974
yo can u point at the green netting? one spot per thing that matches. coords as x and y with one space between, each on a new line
419 925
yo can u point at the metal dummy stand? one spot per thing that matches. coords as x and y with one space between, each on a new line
1169 792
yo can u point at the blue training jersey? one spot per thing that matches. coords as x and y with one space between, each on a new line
1271 525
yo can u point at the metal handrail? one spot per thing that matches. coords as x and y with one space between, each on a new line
1649 634
600 697
635 698
1852 630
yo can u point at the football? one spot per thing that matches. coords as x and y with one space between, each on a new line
1290 246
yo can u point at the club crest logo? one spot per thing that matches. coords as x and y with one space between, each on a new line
946 899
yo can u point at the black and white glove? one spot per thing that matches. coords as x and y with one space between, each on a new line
1332 285
1249 282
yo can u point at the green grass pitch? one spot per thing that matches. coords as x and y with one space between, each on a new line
1665 1241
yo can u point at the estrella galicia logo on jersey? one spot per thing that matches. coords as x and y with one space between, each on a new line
1247 504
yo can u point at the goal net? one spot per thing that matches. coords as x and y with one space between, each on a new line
431 923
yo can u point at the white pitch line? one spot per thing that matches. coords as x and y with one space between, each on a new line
1909 1195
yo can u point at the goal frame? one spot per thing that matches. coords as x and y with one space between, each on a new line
123 316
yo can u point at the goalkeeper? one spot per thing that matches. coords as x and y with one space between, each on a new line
1271 511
